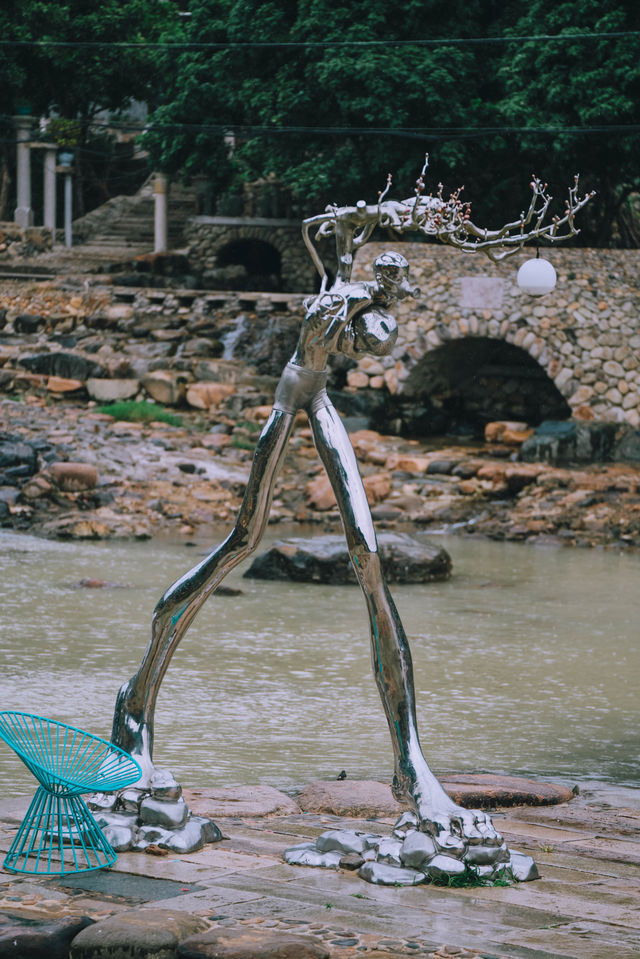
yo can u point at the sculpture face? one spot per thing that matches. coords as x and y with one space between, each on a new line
391 271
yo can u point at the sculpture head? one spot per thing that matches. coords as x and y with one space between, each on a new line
391 271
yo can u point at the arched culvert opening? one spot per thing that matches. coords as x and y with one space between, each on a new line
463 385
250 265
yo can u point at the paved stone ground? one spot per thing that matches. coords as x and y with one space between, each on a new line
586 905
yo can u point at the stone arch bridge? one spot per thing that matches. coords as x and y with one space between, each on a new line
475 347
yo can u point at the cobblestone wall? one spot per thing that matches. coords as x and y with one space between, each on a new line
585 334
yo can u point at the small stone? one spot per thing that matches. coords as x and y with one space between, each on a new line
171 815
120 838
382 874
522 867
193 836
165 387
129 799
389 851
164 786
351 861
63 384
306 854
484 855
443 867
417 849
342 840
408 822
205 396
73 477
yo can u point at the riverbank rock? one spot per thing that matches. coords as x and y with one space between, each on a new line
27 937
143 933
325 559
562 442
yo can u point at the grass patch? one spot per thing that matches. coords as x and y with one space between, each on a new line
468 878
136 411
242 443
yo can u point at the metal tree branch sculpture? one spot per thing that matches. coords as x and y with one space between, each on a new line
449 220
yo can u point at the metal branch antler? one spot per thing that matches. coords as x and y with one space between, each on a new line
447 219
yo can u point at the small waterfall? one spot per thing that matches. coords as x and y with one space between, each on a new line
231 338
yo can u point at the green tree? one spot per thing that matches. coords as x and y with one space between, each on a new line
586 93
310 114
331 115
73 59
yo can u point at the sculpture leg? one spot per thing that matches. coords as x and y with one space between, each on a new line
391 655
135 704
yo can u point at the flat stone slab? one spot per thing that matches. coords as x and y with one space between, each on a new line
230 801
357 799
134 888
484 791
138 934
363 799
241 943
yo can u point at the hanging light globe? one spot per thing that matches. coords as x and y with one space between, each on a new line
536 277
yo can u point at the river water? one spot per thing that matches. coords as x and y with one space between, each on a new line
526 662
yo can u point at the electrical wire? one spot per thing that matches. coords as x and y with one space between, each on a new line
311 44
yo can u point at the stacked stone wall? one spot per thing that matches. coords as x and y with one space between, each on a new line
585 334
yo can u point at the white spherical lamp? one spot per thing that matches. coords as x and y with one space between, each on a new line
536 277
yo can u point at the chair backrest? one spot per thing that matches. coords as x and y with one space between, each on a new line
59 754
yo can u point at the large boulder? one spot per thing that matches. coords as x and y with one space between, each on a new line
325 559
26 937
562 442
138 934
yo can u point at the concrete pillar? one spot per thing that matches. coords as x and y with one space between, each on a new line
66 161
50 190
161 222
24 214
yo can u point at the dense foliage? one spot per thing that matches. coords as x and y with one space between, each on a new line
328 98
331 118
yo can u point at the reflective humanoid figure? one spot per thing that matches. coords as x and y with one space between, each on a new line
350 318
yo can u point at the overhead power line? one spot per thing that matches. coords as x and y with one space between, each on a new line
311 44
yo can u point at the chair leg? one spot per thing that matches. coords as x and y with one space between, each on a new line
58 836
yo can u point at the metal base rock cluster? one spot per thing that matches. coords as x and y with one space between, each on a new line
134 819
410 856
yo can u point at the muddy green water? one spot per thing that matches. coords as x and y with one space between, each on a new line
526 661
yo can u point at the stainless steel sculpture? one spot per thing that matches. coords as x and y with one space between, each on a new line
354 319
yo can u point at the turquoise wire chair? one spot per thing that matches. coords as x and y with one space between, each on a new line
59 835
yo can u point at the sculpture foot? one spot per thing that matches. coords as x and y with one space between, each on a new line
453 828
